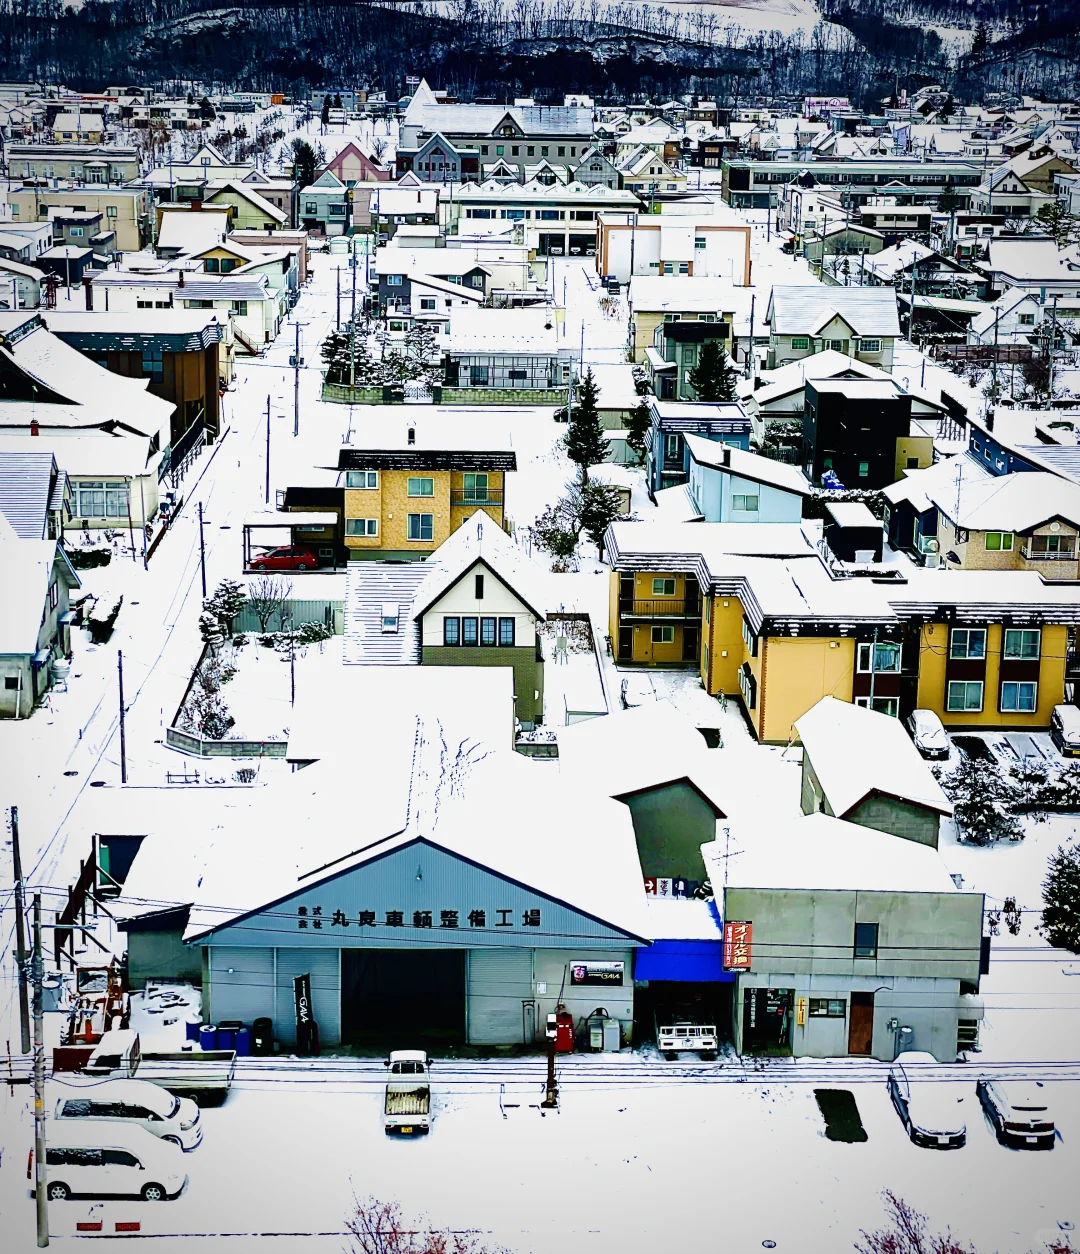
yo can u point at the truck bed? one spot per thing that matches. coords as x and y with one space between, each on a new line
408 1101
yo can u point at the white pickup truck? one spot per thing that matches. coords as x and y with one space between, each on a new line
679 1029
407 1109
205 1077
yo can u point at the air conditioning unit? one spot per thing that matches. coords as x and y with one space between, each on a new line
933 561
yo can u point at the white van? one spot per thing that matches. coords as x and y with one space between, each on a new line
99 1160
135 1103
1065 729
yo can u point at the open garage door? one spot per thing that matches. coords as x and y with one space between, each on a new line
397 998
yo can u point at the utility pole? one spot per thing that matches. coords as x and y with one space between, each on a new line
296 385
352 261
268 449
551 1095
202 552
20 932
40 1178
873 667
1053 347
123 724
750 362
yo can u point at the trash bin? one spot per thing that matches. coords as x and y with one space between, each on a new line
262 1037
226 1038
243 1042
191 1029
208 1036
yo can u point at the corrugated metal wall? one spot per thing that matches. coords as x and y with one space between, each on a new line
324 967
499 980
317 611
241 982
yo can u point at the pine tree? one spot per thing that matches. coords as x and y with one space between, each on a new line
584 439
1061 899
714 377
984 802
600 506
1058 222
324 117
638 423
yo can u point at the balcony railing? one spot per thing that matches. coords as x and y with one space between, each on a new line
1041 555
661 607
479 496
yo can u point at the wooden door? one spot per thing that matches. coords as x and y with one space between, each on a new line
861 1024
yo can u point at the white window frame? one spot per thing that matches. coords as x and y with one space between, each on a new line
361 526
1001 546
1012 655
1016 685
865 652
967 655
883 705
736 497
870 346
420 480
421 538
371 480
951 705
662 591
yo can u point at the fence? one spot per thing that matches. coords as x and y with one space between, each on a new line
197 746
332 613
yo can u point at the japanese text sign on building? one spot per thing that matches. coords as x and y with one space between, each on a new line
316 918
596 973
661 887
738 938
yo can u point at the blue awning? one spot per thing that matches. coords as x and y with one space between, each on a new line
40 657
691 961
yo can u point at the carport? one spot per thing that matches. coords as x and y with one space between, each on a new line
315 528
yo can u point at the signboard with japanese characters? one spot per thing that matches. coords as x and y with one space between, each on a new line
419 894
659 887
599 974
738 940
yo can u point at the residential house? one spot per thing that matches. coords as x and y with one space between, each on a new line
416 481
969 233
324 205
675 351
1023 184
850 933
644 172
667 457
189 230
84 230
476 601
596 170
909 266
394 268
35 496
630 244
185 356
68 262
79 128
492 358
352 165
77 163
391 207
34 618
859 322
781 626
895 220
729 484
20 285
1033 263
251 210
25 241
966 513
1011 319
859 764
439 160
295 240
859 431
654 300
830 245
126 210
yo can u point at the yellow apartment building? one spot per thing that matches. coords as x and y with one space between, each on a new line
760 615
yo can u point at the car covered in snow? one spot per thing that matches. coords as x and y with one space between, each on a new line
137 1103
932 1109
927 732
1019 1112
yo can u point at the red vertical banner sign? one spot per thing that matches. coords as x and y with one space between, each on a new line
738 940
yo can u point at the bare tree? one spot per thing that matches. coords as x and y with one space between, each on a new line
381 1228
906 1232
267 596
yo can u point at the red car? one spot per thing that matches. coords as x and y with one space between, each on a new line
291 557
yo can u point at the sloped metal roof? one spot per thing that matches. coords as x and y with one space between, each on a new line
26 490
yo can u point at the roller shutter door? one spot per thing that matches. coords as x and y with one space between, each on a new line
241 982
499 981
324 966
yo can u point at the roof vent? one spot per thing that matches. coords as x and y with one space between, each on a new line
412 435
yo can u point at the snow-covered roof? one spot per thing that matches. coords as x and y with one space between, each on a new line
856 752
246 192
735 461
369 586
677 504
681 294
851 514
820 853
26 487
678 918
27 571
528 330
804 310
615 386
90 453
633 750
192 233
1028 258
393 260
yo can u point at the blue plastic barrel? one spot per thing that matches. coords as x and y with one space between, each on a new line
208 1036
226 1038
243 1043
191 1029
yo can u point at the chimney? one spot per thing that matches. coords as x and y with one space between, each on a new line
88 291
34 428
180 280
196 205
725 459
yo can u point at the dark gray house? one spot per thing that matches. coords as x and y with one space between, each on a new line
851 427
860 765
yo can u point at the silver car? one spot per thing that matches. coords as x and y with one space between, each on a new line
1019 1111
932 1110
928 734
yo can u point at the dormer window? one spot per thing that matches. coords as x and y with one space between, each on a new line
389 617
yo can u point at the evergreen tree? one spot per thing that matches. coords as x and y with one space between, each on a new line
206 110
637 427
948 201
1061 899
714 377
306 160
584 439
324 116
984 802
600 506
1058 222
